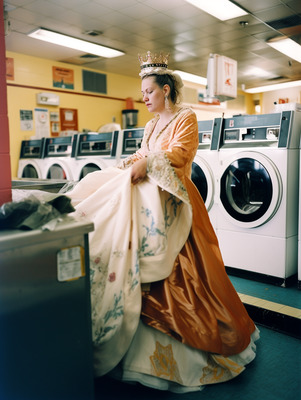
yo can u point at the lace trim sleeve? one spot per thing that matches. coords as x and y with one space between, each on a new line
127 162
160 170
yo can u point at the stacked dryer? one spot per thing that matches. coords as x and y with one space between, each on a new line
205 164
31 159
257 223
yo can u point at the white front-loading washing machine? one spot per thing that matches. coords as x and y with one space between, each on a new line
31 159
94 152
58 160
257 225
205 164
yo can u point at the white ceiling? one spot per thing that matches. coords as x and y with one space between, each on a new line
188 34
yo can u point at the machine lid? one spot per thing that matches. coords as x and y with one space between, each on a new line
202 177
250 189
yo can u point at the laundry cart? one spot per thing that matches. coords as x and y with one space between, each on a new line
45 318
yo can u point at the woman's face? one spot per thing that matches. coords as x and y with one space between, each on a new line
153 95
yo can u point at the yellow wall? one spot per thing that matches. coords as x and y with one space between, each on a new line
34 75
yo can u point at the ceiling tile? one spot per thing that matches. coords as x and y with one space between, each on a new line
134 26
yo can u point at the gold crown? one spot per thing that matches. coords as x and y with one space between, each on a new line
151 60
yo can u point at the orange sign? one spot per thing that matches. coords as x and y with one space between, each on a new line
63 78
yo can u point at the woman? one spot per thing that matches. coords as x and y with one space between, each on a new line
191 328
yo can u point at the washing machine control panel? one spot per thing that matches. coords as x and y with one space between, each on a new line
132 139
95 144
32 148
205 133
244 134
58 146
272 130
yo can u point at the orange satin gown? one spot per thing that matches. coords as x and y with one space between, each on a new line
197 303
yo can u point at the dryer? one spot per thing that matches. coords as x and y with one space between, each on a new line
31 157
58 162
95 151
205 165
257 226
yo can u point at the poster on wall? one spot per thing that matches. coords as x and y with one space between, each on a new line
26 120
68 119
54 123
63 78
10 71
41 119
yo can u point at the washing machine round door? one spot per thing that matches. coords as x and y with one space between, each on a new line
29 168
88 168
56 171
250 189
29 171
202 177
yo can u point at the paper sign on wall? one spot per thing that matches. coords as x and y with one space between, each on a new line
41 119
26 120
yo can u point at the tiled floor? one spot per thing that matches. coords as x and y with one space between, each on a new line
270 305
274 374
273 306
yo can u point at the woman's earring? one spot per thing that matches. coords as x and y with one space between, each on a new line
166 103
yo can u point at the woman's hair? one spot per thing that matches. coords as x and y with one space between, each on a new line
170 80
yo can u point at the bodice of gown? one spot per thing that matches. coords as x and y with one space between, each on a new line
176 144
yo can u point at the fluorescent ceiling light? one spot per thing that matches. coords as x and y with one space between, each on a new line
73 43
221 9
261 73
278 86
286 46
192 78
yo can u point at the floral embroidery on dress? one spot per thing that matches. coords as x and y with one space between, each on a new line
152 230
220 369
112 277
159 168
133 277
154 240
103 328
163 363
102 331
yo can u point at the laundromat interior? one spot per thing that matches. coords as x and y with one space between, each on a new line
67 112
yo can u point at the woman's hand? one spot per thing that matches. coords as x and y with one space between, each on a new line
139 171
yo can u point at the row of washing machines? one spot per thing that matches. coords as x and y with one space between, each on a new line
73 157
246 169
